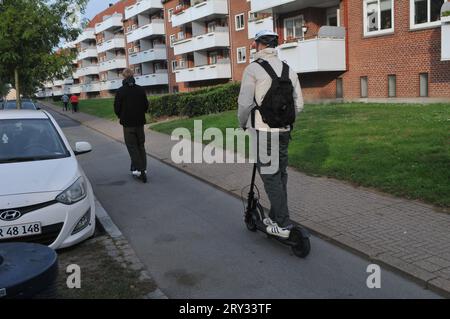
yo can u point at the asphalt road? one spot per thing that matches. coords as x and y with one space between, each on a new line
192 238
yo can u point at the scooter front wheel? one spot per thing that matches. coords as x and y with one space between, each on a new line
302 245
250 222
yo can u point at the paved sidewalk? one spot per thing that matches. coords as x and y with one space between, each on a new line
408 236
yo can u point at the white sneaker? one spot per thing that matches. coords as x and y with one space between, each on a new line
136 173
269 222
276 230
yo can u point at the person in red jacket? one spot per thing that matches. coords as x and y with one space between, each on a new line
74 103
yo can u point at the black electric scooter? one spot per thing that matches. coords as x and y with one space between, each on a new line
254 215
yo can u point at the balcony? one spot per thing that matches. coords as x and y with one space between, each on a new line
285 6
205 72
143 6
58 82
118 63
157 53
68 81
111 85
156 27
324 53
75 89
87 35
153 79
445 32
254 26
87 53
112 22
112 44
88 70
58 92
204 10
203 42
91 87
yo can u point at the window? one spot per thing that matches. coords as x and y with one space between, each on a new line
364 86
378 17
240 22
293 28
252 16
392 85
213 58
241 55
169 15
172 40
333 17
130 50
137 71
339 88
425 13
174 65
423 79
211 26
181 35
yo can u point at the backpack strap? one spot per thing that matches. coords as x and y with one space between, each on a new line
268 68
285 72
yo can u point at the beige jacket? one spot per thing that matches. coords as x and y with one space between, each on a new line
255 84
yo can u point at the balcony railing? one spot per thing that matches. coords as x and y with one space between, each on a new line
219 38
220 70
157 53
117 42
256 25
87 53
112 22
86 35
113 64
160 78
286 6
75 89
326 52
156 27
91 87
112 84
142 6
200 11
88 70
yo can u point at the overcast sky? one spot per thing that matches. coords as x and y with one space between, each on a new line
95 6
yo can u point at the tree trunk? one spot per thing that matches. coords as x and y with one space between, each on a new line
16 79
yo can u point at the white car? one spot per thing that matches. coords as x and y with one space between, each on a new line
45 197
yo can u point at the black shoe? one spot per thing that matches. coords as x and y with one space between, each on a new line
143 177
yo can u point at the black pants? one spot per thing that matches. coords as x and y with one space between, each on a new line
135 142
275 184
65 106
74 107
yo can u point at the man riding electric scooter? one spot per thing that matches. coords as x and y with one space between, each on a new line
269 100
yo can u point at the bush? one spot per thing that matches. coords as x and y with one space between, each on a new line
205 101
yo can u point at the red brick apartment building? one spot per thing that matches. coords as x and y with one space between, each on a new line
345 49
349 49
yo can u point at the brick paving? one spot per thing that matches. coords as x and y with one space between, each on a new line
409 236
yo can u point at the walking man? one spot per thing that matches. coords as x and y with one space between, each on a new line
269 101
65 100
130 106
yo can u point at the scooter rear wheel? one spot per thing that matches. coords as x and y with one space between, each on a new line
303 246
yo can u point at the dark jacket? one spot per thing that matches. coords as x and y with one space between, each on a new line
131 104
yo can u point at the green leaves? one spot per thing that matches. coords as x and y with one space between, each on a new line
30 33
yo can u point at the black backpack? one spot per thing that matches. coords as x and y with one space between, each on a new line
277 108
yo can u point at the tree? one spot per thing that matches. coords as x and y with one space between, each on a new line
30 32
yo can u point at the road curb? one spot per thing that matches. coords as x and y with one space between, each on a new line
422 277
128 253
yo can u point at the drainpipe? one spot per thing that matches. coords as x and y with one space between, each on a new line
230 30
346 5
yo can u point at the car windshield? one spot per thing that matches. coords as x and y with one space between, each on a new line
26 105
24 140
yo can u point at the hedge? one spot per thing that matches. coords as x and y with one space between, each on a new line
205 101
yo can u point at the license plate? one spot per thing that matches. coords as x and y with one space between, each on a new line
14 231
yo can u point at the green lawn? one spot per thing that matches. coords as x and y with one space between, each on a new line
402 149
99 107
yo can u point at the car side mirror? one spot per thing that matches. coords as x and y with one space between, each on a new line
82 148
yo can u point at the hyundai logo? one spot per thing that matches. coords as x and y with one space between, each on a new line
10 215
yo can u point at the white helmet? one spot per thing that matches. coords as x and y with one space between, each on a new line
267 37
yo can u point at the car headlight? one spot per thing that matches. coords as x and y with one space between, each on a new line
73 194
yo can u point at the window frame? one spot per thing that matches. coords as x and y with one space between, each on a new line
391 30
236 22
240 49
293 18
172 39
425 25
169 15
